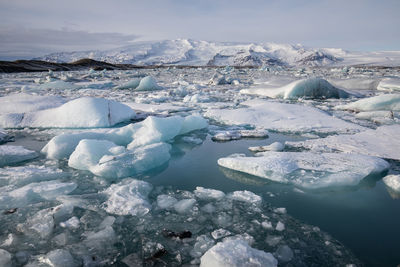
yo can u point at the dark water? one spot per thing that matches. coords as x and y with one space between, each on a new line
365 218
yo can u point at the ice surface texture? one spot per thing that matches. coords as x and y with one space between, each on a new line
308 170
15 154
283 117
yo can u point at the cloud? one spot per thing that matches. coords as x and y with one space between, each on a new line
25 43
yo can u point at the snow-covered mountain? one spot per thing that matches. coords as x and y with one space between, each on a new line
201 53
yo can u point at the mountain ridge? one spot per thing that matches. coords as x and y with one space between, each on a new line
204 53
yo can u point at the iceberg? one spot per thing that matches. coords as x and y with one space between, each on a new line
15 154
389 102
148 83
308 170
314 88
236 253
129 85
85 112
283 117
132 162
382 142
128 197
393 182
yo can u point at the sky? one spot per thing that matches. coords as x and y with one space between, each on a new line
31 28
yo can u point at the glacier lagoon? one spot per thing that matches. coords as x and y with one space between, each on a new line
164 212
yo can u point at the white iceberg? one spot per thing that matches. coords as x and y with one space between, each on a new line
128 197
382 142
208 194
15 154
85 112
148 83
380 102
309 88
307 169
393 182
132 162
283 117
236 253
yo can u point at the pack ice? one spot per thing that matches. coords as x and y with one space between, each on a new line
307 169
83 112
282 117
382 142
309 88
236 253
390 102
124 151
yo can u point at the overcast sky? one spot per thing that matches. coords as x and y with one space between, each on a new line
30 28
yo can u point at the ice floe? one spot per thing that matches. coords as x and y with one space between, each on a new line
308 170
382 142
380 102
28 174
393 182
275 146
24 103
283 117
389 84
15 154
86 112
307 88
236 253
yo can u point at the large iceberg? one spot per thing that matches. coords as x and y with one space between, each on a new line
15 154
283 117
309 88
389 102
86 112
383 142
307 169
236 253
148 83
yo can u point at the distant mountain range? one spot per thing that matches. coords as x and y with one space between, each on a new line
203 53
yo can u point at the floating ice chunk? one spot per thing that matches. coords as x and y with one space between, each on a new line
192 140
23 103
307 169
29 174
280 210
42 223
5 258
95 85
309 88
166 201
59 258
4 137
280 226
236 253
205 193
246 196
273 240
184 205
227 136
393 182
128 197
133 162
382 142
203 243
220 233
62 146
380 115
35 192
129 85
89 152
72 223
355 83
15 154
380 102
389 84
276 146
86 112
103 238
267 225
284 253
196 98
148 83
58 85
283 117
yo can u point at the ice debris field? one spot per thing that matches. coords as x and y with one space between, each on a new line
200 166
